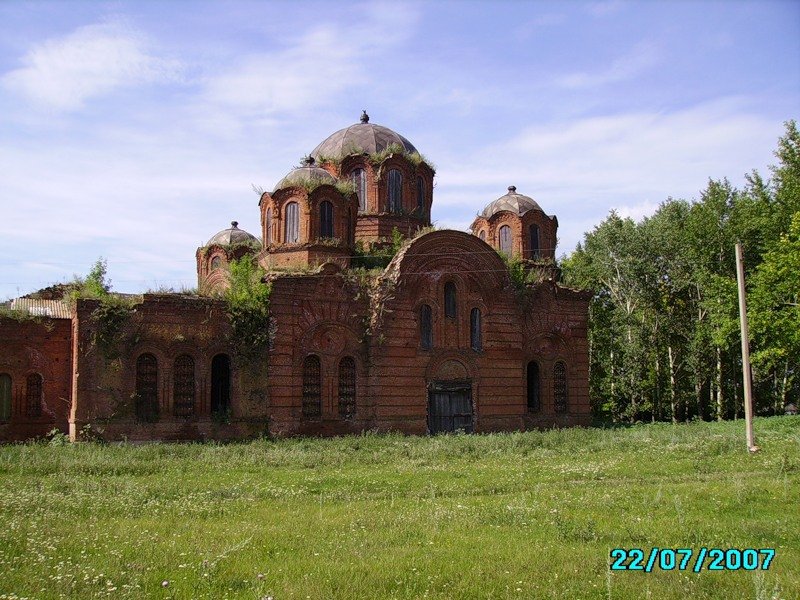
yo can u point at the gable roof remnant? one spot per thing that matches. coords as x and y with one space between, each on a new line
55 309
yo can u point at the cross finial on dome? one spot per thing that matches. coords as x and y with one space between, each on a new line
364 116
512 189
234 224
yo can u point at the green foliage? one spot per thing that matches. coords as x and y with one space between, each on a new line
377 158
775 309
312 183
112 312
247 301
96 285
664 324
415 158
110 318
6 312
235 249
393 516
346 186
334 242
55 437
523 273
378 255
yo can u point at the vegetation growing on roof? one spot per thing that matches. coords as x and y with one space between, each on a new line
247 301
524 274
376 158
414 158
113 310
346 186
231 249
6 312
377 254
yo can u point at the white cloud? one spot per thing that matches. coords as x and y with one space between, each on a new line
317 65
641 58
637 211
324 62
579 169
63 73
606 7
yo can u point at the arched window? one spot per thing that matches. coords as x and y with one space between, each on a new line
33 395
220 384
147 388
560 387
482 235
347 387
533 232
450 300
420 195
312 387
475 341
291 233
268 236
183 386
360 181
395 191
534 387
5 397
325 219
216 263
505 240
426 327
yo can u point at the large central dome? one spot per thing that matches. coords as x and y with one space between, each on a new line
360 138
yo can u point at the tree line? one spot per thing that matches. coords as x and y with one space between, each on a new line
664 338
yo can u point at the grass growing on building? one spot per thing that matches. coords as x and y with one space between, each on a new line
521 515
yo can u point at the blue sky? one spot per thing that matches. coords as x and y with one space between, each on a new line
135 130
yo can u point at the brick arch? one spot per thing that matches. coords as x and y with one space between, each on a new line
546 346
330 339
443 363
446 254
440 364
345 172
408 171
344 207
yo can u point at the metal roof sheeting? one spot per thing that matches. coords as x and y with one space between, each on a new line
513 202
360 138
55 309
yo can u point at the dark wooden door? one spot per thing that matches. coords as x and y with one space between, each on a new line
450 410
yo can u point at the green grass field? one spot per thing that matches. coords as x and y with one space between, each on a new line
524 515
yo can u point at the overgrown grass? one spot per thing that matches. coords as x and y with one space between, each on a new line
523 515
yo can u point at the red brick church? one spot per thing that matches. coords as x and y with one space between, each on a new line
442 339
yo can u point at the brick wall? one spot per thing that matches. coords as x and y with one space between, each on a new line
33 347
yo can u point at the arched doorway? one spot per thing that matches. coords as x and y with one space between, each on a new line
220 384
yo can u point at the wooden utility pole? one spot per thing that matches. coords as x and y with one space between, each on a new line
748 380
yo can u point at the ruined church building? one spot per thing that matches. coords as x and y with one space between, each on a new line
442 339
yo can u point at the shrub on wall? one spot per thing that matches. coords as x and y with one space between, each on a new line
248 308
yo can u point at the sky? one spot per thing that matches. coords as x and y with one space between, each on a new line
135 131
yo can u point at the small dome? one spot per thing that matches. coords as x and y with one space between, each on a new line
513 202
363 137
233 235
307 172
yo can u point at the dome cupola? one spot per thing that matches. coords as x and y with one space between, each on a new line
307 173
513 202
516 225
361 138
214 259
233 235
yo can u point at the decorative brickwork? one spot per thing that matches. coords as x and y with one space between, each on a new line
441 340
